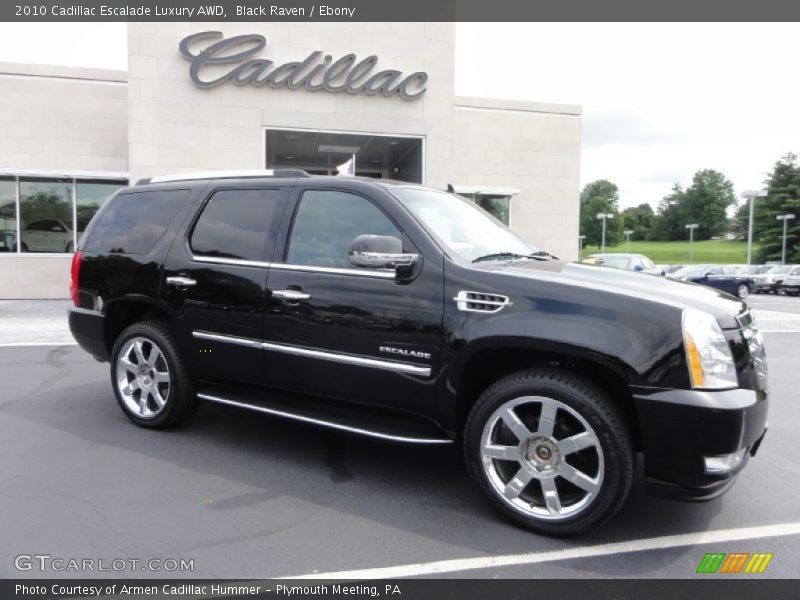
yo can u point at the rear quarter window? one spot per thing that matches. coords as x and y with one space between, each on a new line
134 222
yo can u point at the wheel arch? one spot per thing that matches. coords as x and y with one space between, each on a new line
491 360
127 310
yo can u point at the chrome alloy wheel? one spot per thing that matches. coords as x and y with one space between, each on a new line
143 377
539 438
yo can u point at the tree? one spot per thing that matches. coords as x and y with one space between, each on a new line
669 224
783 197
706 202
640 219
600 196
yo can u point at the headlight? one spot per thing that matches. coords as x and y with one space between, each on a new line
707 352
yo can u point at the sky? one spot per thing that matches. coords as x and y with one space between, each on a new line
660 101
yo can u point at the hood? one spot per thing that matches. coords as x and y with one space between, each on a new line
652 288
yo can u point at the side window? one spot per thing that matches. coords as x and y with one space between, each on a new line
237 224
133 223
326 223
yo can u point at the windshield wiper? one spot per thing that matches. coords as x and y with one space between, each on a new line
538 255
499 256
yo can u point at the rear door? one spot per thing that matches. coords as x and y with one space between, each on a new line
215 275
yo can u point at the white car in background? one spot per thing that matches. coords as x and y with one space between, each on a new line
46 235
769 281
627 262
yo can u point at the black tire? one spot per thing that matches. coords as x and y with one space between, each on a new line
69 248
24 247
743 291
181 399
578 394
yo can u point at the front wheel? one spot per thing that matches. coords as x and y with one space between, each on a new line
550 450
743 291
150 380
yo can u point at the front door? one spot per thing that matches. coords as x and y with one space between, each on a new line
214 280
356 334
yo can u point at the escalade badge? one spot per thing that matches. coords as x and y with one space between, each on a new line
404 352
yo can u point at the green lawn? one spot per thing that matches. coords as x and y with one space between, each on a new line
708 251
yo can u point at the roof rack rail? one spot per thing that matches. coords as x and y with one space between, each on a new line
223 175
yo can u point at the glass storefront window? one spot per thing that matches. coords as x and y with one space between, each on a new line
91 195
8 215
46 215
497 206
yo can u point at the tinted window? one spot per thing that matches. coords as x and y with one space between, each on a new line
133 223
326 224
43 204
236 224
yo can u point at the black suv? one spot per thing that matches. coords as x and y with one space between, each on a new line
408 314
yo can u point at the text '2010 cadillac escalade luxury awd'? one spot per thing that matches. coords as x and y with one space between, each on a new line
408 314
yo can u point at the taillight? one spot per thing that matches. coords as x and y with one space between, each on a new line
75 272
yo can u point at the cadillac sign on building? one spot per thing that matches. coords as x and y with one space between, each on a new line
318 71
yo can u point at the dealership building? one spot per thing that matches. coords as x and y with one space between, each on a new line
219 96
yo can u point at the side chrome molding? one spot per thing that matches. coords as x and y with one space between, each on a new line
324 423
361 361
237 262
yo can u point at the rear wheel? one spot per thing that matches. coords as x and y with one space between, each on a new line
743 291
150 380
550 450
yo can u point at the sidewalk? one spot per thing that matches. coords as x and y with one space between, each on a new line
33 322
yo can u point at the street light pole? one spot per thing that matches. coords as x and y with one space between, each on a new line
785 219
751 195
691 227
628 233
580 246
603 217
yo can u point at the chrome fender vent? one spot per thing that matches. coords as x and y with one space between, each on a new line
481 302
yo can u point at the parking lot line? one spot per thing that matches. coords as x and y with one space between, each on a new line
15 344
530 558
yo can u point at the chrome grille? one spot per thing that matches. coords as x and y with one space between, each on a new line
481 302
755 344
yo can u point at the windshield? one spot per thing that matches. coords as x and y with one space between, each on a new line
692 270
779 270
464 228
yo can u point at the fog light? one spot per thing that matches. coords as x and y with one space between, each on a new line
725 463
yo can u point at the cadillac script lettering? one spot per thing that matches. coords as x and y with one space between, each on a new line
319 71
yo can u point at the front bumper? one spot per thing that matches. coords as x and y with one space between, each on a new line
680 428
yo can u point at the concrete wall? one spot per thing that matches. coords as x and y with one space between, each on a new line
57 120
175 126
63 118
535 147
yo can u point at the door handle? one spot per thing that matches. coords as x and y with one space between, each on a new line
181 281
291 295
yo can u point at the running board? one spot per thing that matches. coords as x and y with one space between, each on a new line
327 422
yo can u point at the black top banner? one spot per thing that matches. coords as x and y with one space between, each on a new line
399 10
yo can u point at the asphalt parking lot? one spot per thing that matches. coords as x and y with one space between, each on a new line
249 496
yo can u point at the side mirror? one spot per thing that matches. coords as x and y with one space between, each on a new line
379 252
638 268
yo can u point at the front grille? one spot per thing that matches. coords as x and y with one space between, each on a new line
481 302
793 280
754 342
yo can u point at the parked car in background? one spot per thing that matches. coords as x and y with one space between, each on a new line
671 269
46 235
752 270
768 281
726 278
627 262
791 284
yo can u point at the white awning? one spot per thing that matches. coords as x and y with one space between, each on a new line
485 190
